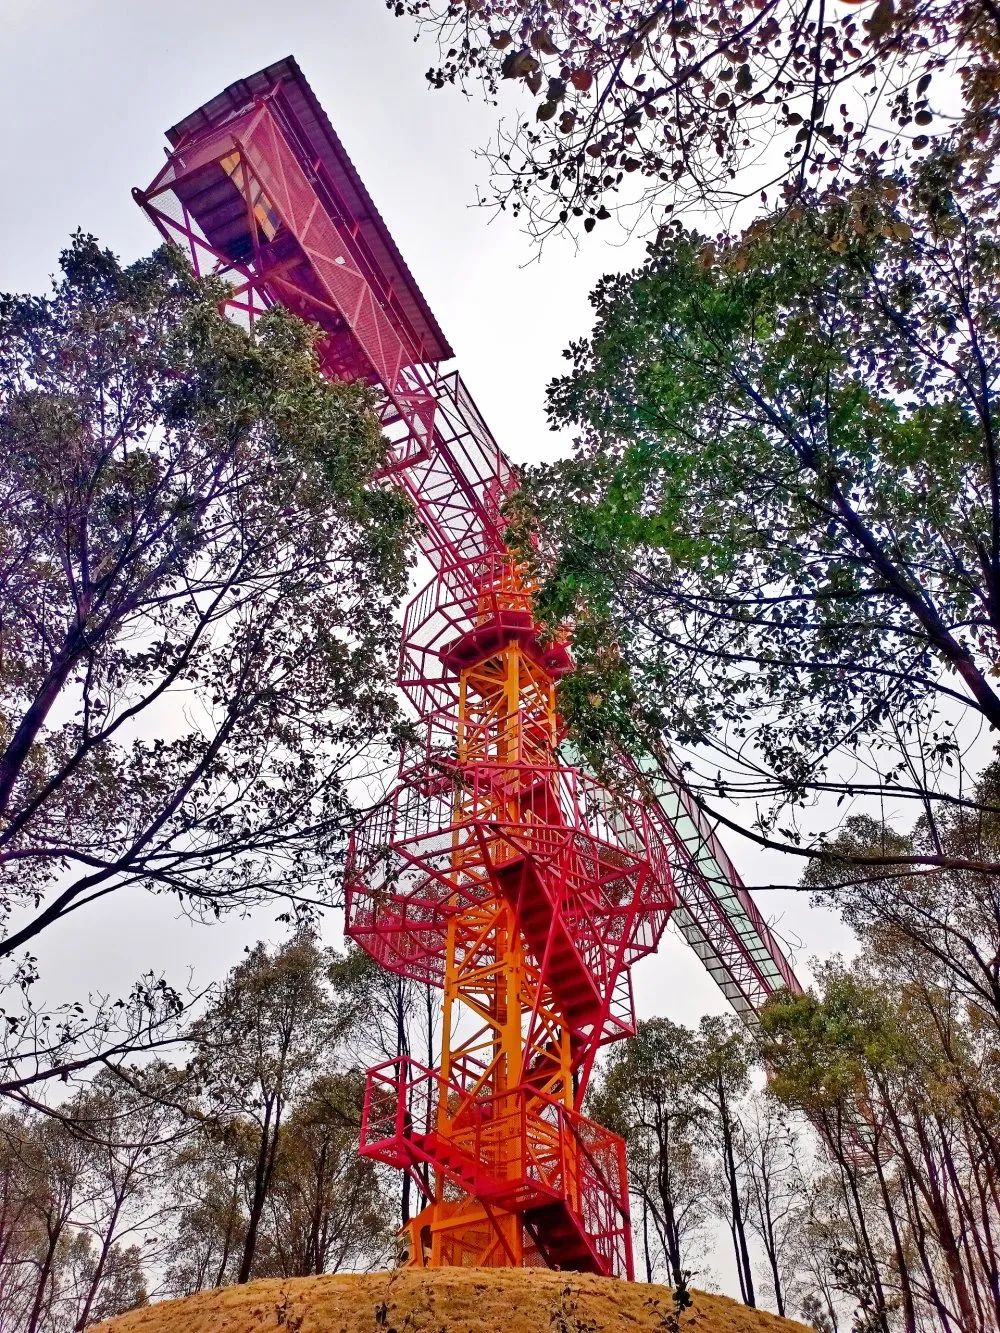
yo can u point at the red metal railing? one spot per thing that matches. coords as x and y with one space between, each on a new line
519 1150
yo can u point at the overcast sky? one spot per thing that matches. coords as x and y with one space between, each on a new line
87 88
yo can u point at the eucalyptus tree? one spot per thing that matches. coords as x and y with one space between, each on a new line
266 1036
384 1017
902 1083
648 1094
327 1209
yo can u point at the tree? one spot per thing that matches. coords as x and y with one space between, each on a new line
700 1146
648 1095
780 536
941 925
384 1017
654 104
776 1189
723 1080
835 1264
122 1286
936 938
72 1188
124 1127
210 1173
327 1207
55 1161
196 592
274 1183
153 1180
21 1235
38 1043
324 1207
903 1085
257 1047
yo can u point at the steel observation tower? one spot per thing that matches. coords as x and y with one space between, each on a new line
496 870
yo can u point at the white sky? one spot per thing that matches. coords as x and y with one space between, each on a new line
87 88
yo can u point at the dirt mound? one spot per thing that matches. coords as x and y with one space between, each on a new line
445 1300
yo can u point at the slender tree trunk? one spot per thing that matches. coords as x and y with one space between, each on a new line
909 1310
738 1221
44 1274
842 1156
970 1237
983 1230
771 1247
228 1238
102 1259
670 1229
316 1221
645 1238
262 1180
924 1174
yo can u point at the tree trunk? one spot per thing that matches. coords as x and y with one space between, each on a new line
262 1180
228 1239
315 1250
771 1247
671 1230
102 1260
738 1221
842 1156
645 1239
43 1277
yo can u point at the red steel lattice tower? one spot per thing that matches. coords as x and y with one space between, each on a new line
496 870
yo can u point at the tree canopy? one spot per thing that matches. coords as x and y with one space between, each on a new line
157 1180
197 585
649 105
780 533
902 1083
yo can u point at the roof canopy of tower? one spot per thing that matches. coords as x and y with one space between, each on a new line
324 144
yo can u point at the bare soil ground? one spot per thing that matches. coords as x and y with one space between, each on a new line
448 1300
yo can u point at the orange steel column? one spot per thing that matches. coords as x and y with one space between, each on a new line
507 734
523 889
